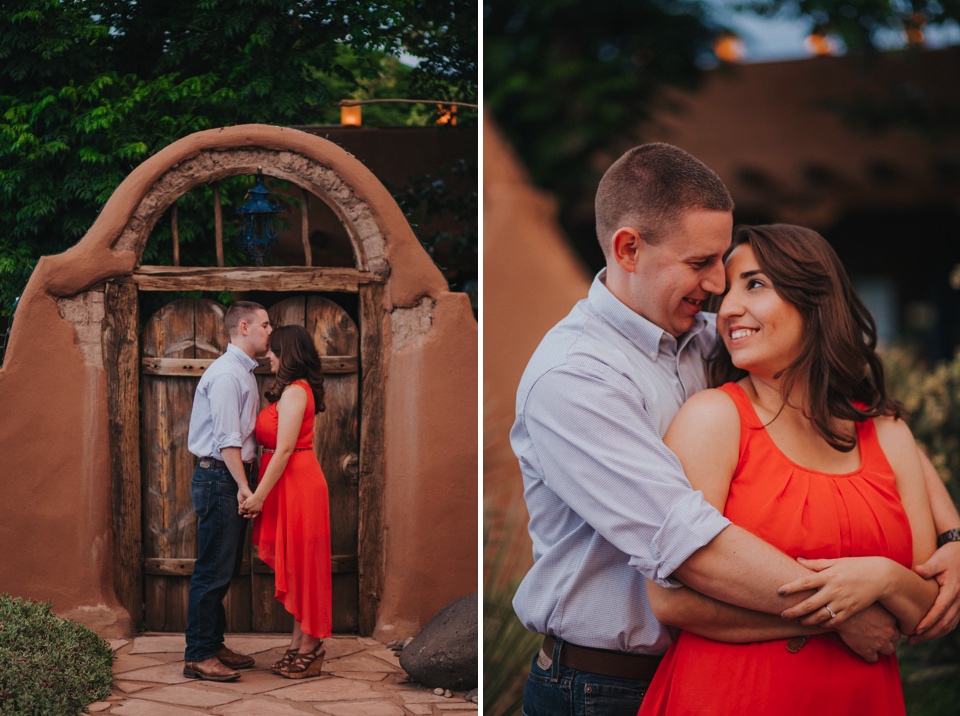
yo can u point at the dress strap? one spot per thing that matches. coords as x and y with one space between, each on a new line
748 413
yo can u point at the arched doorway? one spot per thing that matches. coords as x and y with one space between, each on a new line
154 528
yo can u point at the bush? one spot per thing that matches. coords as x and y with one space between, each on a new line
49 666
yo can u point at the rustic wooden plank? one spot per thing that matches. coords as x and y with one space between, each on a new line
249 278
176 567
336 441
218 222
268 614
346 614
305 226
371 487
196 366
175 230
336 438
121 352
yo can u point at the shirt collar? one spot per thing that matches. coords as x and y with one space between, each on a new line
245 360
646 335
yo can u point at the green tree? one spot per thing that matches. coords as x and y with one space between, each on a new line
569 81
91 88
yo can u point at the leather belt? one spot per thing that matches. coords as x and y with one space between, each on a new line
213 462
601 661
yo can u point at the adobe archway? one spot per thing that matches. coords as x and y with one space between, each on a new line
419 351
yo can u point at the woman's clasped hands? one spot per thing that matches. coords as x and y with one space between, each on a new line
843 587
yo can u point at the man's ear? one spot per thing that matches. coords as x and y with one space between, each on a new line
243 328
625 247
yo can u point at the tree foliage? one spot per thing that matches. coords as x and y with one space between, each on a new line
91 88
569 81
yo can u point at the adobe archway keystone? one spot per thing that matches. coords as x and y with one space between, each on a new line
55 520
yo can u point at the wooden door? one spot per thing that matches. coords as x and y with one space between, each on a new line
177 344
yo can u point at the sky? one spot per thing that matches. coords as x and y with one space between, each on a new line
773 39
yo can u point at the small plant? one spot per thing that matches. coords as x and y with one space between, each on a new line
49 665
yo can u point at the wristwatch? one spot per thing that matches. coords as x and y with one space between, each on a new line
948 536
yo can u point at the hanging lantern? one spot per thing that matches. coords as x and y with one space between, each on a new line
351 115
257 229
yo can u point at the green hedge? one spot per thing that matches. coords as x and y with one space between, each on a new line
49 666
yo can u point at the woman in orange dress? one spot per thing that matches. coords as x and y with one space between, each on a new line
291 503
802 446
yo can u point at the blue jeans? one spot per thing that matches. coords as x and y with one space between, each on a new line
564 691
220 533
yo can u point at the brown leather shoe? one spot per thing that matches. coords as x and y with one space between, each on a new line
209 670
232 659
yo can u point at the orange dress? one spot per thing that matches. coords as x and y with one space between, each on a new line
809 514
292 533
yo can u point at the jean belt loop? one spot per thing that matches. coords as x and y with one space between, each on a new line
555 666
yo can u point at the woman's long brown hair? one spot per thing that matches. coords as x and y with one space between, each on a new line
838 362
299 360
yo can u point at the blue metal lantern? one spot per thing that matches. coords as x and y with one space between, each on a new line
257 230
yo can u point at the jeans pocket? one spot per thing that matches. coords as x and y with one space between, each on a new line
608 698
202 493
543 697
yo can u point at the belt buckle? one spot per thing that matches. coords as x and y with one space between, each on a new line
206 463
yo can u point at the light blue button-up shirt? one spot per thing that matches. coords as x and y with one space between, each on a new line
608 502
225 407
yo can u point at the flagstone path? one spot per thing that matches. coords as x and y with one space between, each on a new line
361 677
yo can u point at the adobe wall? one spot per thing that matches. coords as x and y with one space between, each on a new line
55 520
531 279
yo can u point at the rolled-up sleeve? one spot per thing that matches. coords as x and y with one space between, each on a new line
600 452
224 395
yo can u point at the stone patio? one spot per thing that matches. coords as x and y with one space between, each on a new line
361 677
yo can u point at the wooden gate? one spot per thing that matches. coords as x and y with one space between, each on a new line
177 345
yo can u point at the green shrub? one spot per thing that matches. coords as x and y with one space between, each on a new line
49 666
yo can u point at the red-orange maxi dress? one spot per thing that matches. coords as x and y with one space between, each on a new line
292 533
808 514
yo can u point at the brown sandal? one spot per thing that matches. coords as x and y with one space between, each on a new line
288 656
305 665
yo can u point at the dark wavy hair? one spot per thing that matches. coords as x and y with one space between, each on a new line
299 360
838 361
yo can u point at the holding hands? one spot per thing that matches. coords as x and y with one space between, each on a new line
251 506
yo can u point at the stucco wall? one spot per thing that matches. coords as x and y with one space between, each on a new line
55 524
531 279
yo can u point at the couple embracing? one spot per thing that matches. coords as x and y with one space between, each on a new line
816 533
289 501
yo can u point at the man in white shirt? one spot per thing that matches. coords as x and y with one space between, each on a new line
222 423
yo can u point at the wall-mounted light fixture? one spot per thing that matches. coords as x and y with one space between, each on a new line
258 230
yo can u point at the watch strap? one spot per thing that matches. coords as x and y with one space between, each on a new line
948 536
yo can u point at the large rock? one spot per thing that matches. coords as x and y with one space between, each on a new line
446 652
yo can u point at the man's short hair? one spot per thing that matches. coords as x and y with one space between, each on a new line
651 187
240 311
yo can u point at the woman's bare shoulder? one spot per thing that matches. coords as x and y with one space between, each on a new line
710 415
710 404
